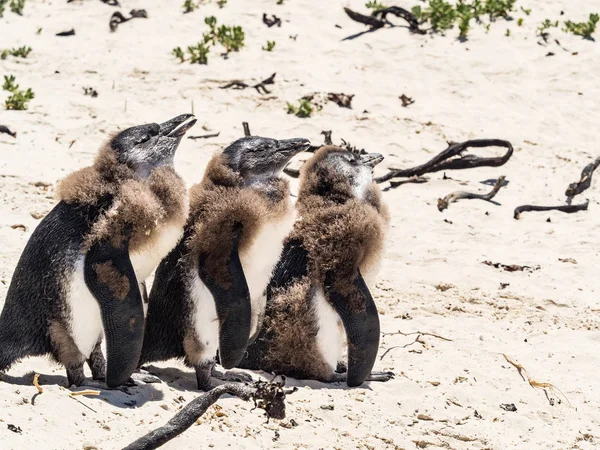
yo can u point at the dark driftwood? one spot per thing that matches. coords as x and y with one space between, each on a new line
443 203
71 32
266 395
379 18
238 84
6 130
271 22
583 183
563 208
451 159
118 18
246 129
205 136
406 100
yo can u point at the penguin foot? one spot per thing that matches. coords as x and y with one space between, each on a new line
380 376
341 367
232 375
141 375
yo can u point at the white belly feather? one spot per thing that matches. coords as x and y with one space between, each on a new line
85 317
259 260
330 337
205 320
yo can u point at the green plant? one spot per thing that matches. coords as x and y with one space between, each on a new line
17 6
280 2
546 25
520 22
374 5
18 99
221 3
526 11
179 54
39 31
198 53
498 8
584 29
189 6
270 46
232 38
304 109
440 14
507 33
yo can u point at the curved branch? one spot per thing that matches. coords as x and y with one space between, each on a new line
403 14
443 203
584 182
444 160
564 208
266 395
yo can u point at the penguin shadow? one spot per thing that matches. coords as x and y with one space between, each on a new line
124 397
176 378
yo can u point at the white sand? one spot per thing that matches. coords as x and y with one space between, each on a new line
490 86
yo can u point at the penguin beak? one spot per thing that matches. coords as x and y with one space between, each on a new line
371 159
291 147
177 126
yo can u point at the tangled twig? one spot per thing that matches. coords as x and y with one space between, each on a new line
417 339
238 84
269 396
535 384
452 159
379 18
118 18
584 181
443 203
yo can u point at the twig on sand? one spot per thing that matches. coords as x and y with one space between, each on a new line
118 18
443 203
6 130
269 396
271 22
238 84
246 129
205 136
583 183
36 383
379 18
452 159
417 339
535 384
70 32
414 179
563 208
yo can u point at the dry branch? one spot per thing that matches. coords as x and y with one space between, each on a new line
205 136
4 129
563 208
452 159
535 384
238 84
443 203
266 395
583 183
117 18
416 340
379 18
36 383
246 129
271 22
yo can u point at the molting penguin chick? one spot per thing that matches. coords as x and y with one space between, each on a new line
209 293
317 289
82 271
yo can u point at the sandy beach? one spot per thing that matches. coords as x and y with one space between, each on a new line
452 377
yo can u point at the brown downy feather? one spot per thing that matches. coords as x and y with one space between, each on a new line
341 234
139 207
220 203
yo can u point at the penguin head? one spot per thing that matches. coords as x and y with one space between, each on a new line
339 173
255 157
146 147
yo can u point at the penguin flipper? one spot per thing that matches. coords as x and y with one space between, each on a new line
232 302
355 306
110 277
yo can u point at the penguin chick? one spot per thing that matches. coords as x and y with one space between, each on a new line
317 289
82 271
209 293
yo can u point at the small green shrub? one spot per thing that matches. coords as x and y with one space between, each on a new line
232 38
18 99
526 11
198 53
20 52
520 22
507 33
189 6
374 5
269 47
498 8
304 109
17 6
583 29
179 54
546 25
